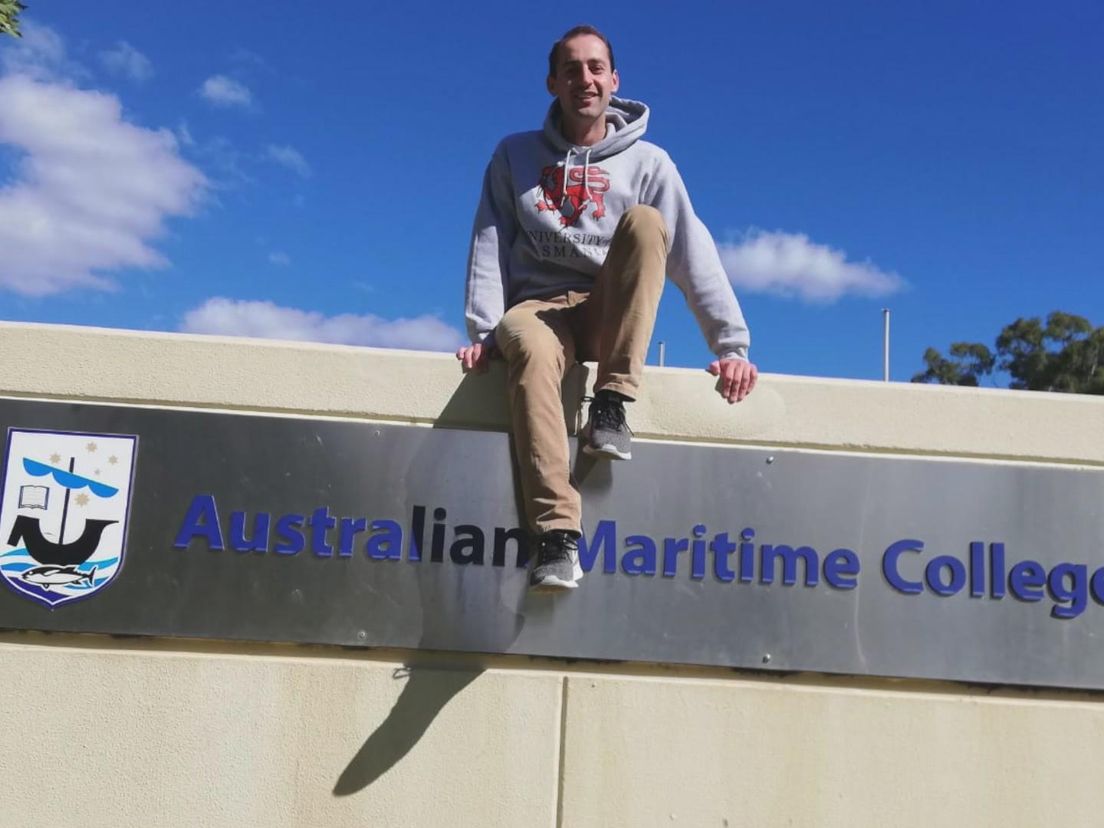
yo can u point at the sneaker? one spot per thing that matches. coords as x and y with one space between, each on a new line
606 432
557 565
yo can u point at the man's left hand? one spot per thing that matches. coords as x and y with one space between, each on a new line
737 378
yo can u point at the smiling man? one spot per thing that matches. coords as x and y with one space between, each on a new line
577 227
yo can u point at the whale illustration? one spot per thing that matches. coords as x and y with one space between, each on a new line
51 576
26 528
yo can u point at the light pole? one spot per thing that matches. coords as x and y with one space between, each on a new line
885 344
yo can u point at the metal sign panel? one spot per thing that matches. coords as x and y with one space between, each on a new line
282 529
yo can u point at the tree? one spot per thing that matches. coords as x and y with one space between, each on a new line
9 17
1066 354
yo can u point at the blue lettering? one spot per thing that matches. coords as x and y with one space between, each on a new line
347 534
889 566
996 570
417 531
1076 594
1097 585
841 569
935 568
1026 581
770 553
639 561
201 521
605 539
385 542
747 556
290 538
239 542
977 569
320 523
671 549
722 548
697 554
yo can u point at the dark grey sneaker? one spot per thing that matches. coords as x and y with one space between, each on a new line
606 433
557 566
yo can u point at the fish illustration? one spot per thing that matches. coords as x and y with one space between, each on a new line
51 576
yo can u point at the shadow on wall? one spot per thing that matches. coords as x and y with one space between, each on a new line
481 398
429 688
426 693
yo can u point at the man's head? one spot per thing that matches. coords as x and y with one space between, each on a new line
553 56
582 74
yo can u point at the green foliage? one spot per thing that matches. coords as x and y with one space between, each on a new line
9 17
1065 354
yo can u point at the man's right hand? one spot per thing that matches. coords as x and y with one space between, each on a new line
475 357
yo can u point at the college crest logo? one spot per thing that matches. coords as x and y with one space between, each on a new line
64 506
585 186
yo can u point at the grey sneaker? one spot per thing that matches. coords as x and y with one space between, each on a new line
557 565
606 432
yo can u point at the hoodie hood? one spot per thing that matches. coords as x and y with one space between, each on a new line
549 212
626 122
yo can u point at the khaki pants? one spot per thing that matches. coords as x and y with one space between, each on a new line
542 338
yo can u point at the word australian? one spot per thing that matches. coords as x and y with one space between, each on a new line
726 558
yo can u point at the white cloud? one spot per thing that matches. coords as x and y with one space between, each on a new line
790 264
184 135
288 157
91 190
280 258
127 61
230 317
223 91
39 54
224 162
249 59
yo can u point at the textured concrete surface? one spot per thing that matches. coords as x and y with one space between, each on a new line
99 737
679 404
648 752
102 732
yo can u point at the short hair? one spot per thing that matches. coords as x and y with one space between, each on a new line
554 55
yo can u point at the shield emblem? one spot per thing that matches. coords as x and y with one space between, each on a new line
64 508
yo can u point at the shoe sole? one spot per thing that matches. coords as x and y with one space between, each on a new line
607 451
552 584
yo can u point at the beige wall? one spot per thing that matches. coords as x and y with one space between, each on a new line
144 732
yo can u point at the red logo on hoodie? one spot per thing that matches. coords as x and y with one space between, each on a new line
585 185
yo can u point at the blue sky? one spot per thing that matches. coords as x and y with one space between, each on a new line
304 171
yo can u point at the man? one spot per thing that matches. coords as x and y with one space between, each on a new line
577 226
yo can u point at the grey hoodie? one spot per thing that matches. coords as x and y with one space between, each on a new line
533 237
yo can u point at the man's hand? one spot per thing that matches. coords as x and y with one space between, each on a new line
738 378
475 357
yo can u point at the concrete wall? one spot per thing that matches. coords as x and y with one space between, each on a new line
146 732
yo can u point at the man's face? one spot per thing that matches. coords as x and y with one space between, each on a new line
583 81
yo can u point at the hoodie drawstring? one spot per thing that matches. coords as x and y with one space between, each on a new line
567 175
586 174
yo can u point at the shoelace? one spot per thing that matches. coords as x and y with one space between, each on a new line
555 548
607 412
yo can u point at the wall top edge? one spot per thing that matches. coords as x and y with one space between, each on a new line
193 370
185 649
